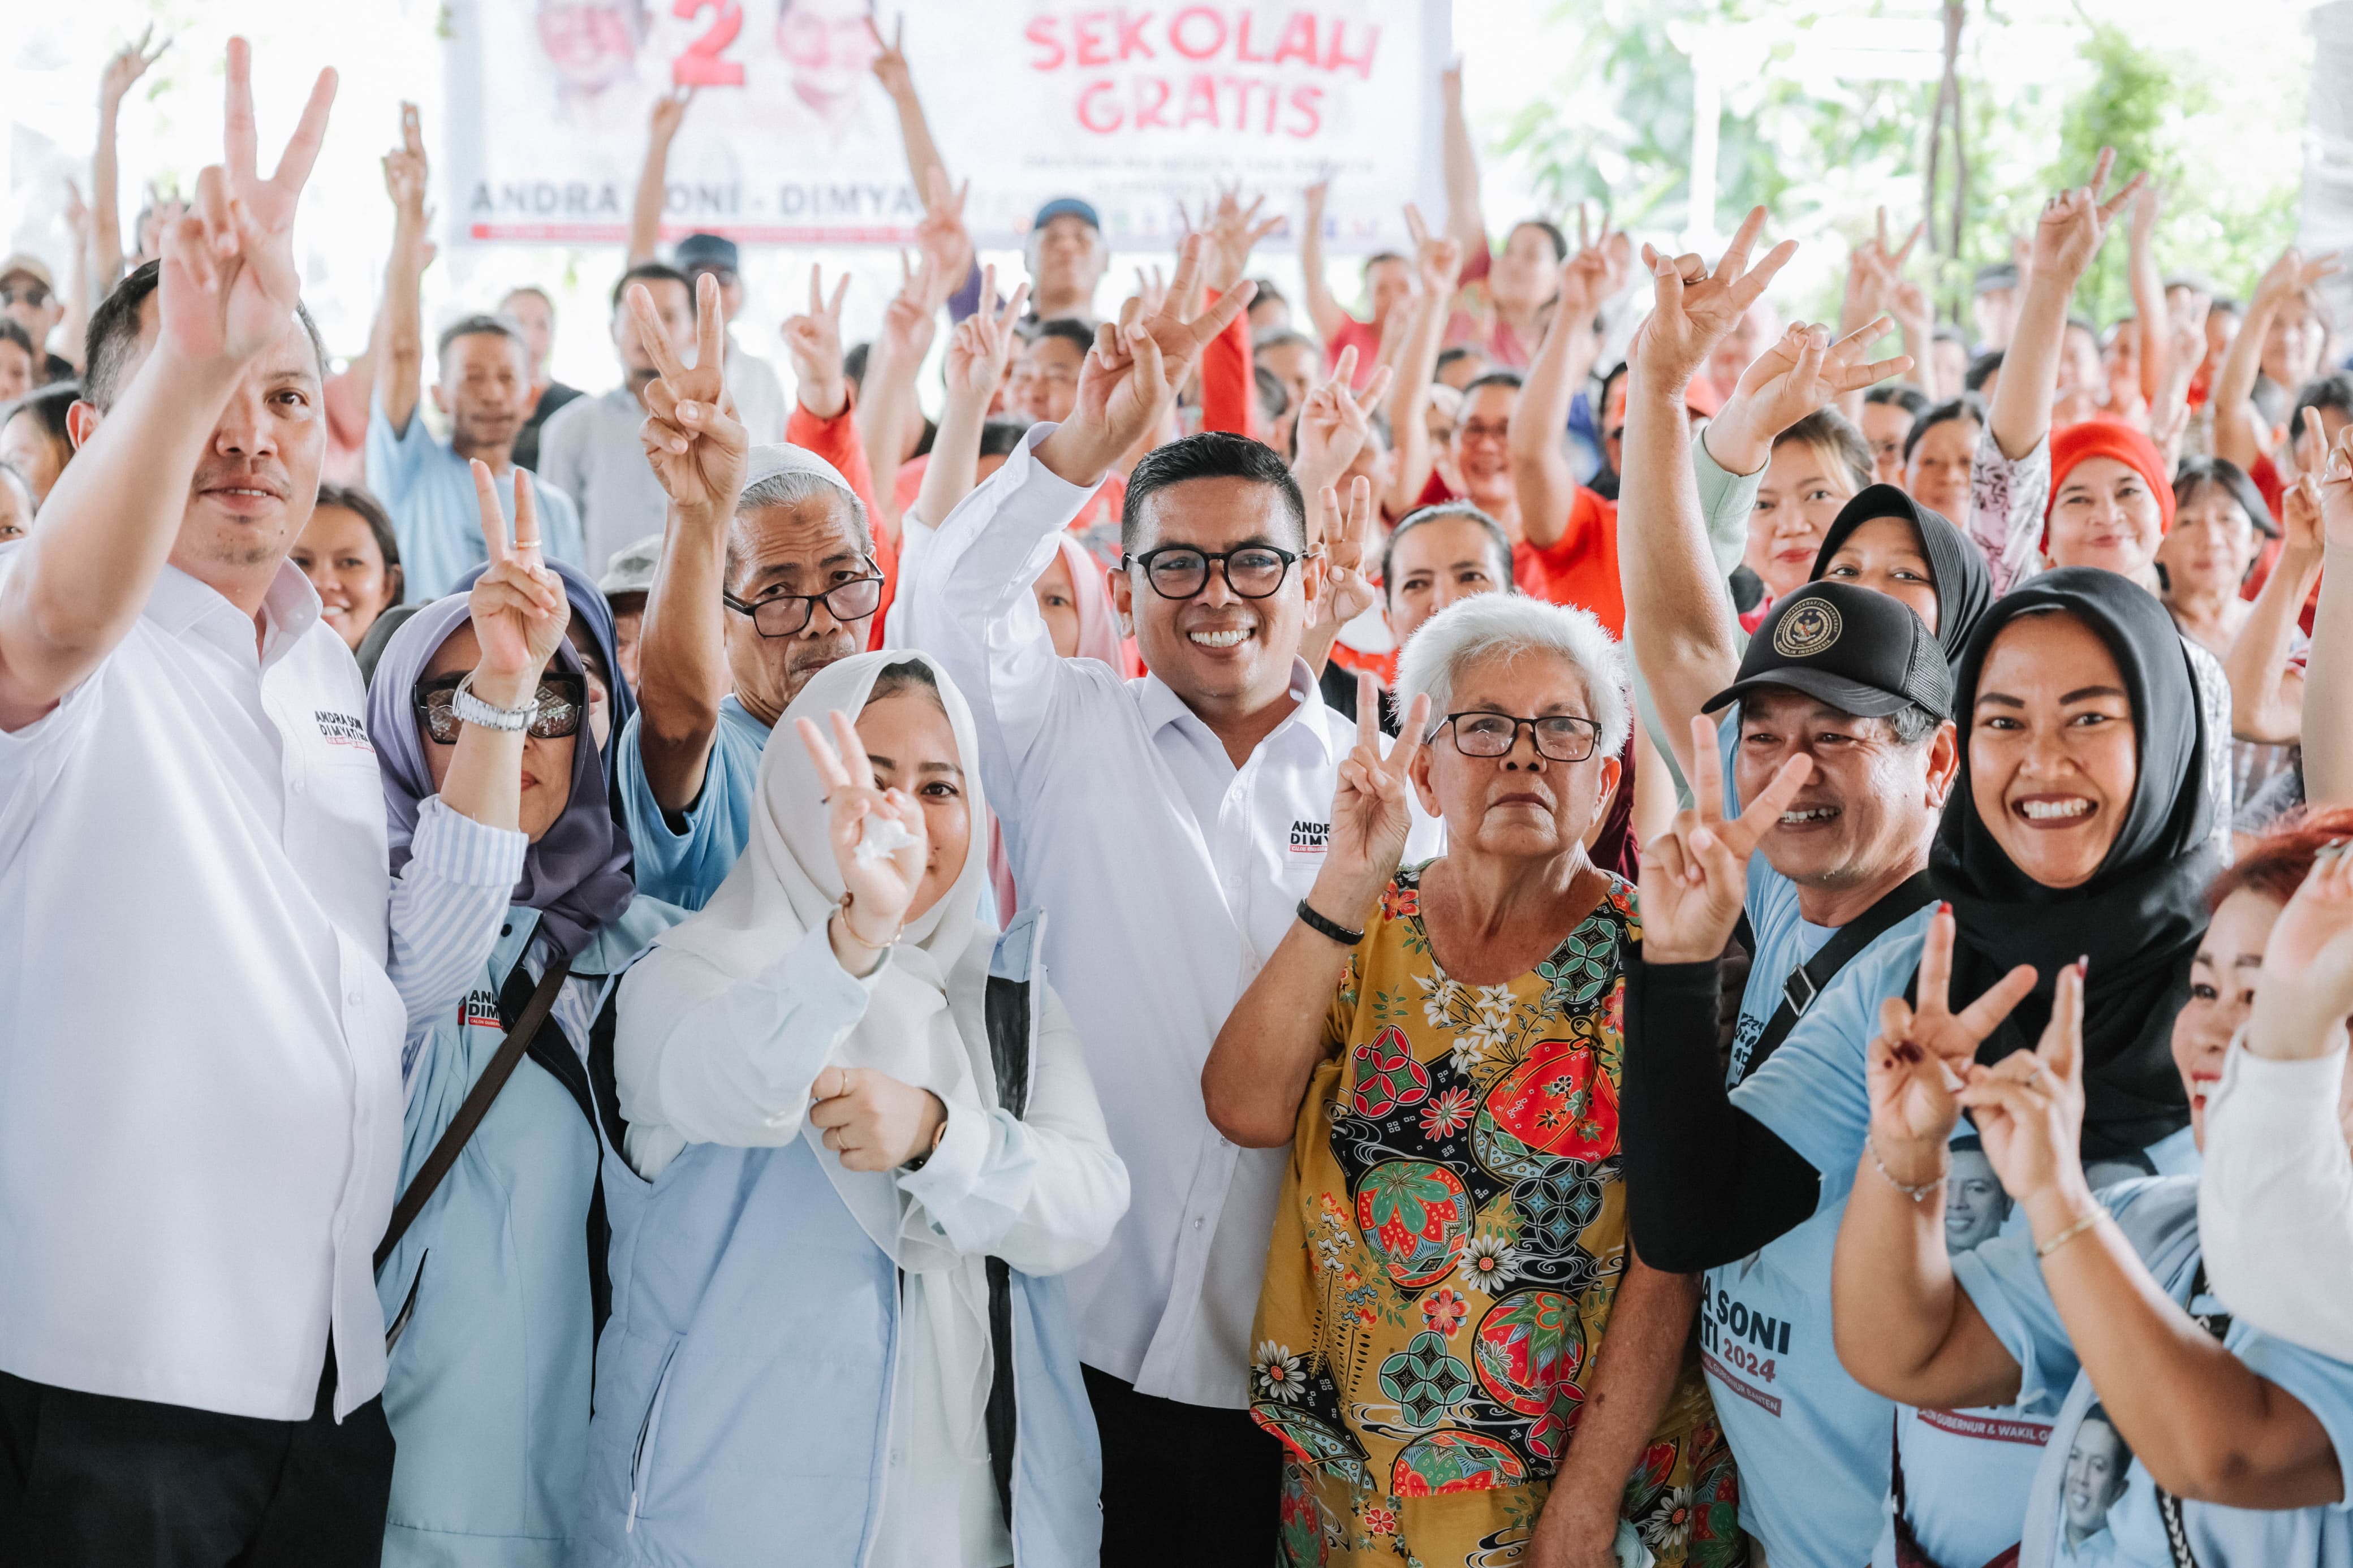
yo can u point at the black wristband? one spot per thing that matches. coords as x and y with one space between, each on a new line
1329 928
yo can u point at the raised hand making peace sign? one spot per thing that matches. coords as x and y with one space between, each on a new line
2075 222
1333 424
813 339
518 605
1132 375
693 440
229 288
1372 810
1696 875
1347 593
1697 308
1800 374
881 887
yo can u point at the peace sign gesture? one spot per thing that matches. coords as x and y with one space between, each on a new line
1132 375
1347 593
982 345
127 66
2029 1108
2075 222
813 340
1694 876
1332 422
1372 808
878 838
229 284
1233 231
1695 309
693 439
1797 375
518 605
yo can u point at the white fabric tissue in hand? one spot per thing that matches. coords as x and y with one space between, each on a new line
880 839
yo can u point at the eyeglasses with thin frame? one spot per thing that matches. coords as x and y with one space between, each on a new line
787 614
1563 737
1181 572
563 703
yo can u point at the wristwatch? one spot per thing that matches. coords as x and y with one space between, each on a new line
923 1159
471 710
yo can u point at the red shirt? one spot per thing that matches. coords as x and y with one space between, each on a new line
836 440
1579 568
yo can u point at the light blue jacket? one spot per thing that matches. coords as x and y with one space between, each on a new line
743 1385
489 1295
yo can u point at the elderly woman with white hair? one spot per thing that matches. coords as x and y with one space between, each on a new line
1456 1344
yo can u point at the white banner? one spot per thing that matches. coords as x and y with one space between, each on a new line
790 139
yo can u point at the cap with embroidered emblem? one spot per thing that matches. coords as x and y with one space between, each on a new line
1861 651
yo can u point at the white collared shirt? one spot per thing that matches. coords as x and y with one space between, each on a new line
1170 875
2275 1198
200 1099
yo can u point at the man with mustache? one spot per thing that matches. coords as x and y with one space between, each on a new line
486 391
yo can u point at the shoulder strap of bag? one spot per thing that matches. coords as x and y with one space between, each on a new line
476 1106
1810 978
2168 1506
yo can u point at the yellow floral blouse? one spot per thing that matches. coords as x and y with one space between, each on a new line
1450 1239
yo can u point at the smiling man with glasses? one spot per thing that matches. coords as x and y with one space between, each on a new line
768 576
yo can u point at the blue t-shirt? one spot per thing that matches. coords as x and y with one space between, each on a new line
686 867
1811 1442
2104 1520
429 491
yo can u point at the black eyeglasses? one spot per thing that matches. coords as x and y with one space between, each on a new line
1181 572
563 700
786 614
1564 739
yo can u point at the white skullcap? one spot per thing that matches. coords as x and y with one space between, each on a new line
763 463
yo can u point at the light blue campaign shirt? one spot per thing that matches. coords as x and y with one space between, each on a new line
429 491
2081 1520
685 865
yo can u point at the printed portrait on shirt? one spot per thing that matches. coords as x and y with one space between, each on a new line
1975 1204
2094 1480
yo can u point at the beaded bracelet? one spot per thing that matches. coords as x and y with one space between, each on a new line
1914 1194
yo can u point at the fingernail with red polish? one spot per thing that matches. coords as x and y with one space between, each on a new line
1907 1053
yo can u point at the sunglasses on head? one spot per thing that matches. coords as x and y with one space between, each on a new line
562 701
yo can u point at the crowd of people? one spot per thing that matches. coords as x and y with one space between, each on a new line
1558 923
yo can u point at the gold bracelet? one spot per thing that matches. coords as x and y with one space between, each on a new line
1914 1194
850 930
2044 1250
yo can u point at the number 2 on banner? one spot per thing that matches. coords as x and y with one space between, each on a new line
700 65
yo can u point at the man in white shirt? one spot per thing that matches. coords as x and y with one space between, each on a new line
200 1100
1169 825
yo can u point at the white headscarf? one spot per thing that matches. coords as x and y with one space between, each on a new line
925 1024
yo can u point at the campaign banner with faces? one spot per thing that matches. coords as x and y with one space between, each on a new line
792 140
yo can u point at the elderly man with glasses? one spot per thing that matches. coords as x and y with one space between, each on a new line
768 576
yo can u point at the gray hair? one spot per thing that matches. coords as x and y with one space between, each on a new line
794 487
1512 625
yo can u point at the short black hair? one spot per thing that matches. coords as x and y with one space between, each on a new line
478 327
1981 370
1212 455
49 406
113 336
650 272
2333 394
1267 291
1510 378
1498 542
853 364
1900 394
2197 474
1378 256
357 500
1968 405
1449 356
13 332
1286 338
1551 232
1070 329
1002 437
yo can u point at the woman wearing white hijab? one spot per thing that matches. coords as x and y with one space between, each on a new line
853 1138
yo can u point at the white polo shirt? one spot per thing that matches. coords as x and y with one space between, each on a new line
1170 875
200 1097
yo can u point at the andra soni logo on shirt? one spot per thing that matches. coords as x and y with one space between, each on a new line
341 730
1310 837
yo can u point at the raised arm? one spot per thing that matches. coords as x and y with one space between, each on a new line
122 72
2327 721
925 168
653 176
1437 261
888 407
1563 362
228 293
1257 1069
2065 241
2237 435
2149 315
81 283
978 353
2266 691
1326 311
2253 1445
1466 219
1678 616
1228 384
401 371
698 450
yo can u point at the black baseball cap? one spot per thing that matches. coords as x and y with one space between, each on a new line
707 250
1857 650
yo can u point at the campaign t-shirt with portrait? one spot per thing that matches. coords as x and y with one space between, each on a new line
2086 1516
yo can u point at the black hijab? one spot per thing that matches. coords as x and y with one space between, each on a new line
2139 917
1964 585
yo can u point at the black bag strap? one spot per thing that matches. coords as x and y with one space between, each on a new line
1010 1012
1810 978
476 1106
2168 1506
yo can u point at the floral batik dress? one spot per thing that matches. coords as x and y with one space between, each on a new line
1451 1236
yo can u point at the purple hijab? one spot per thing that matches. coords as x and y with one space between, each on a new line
577 874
